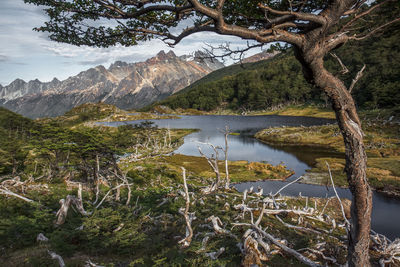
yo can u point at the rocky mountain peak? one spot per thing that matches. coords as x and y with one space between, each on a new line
126 85
171 54
35 81
55 81
117 64
17 82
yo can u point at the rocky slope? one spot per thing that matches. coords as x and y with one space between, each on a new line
260 56
126 85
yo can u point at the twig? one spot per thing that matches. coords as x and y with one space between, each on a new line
337 196
292 182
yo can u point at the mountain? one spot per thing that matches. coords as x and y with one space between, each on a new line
126 85
250 86
260 56
279 80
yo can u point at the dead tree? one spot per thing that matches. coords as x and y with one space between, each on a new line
65 205
213 162
189 217
312 28
226 133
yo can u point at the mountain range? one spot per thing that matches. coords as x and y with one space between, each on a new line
126 85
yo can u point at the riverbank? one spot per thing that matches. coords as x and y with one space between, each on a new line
382 143
289 110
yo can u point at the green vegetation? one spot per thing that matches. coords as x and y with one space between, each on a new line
87 114
382 143
58 156
310 110
272 83
254 87
240 171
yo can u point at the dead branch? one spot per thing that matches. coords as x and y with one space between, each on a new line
66 203
212 161
5 191
205 241
89 263
216 222
333 260
41 238
188 218
216 254
303 229
226 132
344 68
252 254
109 191
347 223
55 256
292 182
288 250
355 80
390 251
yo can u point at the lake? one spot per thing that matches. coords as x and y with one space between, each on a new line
385 213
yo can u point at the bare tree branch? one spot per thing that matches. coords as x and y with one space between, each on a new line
355 80
344 68
188 218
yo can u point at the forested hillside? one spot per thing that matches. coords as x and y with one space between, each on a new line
265 84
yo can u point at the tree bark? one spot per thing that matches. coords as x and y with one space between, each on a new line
349 123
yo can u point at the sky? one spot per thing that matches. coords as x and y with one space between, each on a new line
29 55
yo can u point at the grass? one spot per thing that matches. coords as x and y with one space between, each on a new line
380 140
300 110
239 171
290 110
382 173
382 143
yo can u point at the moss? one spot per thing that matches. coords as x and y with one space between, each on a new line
380 140
301 110
381 172
239 171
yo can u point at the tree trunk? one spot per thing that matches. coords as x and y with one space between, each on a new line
356 158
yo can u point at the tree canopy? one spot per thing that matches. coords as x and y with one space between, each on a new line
128 22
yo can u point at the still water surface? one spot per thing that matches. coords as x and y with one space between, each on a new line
386 211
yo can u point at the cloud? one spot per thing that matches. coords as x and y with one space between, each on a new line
28 54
